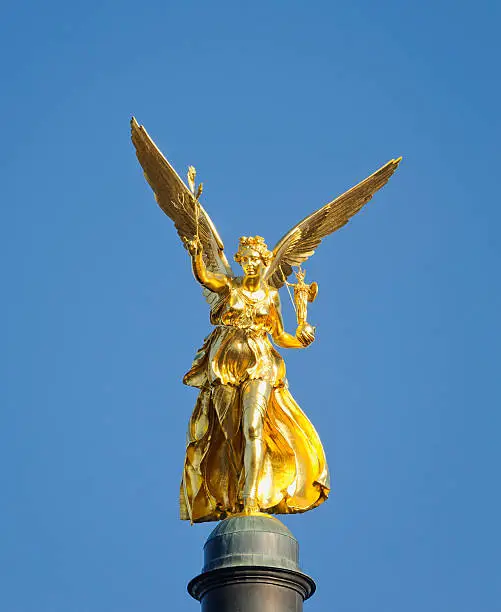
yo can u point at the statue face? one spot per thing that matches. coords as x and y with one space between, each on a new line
251 262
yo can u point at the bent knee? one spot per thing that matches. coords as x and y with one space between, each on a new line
254 432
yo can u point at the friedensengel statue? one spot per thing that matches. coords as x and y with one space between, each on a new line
250 447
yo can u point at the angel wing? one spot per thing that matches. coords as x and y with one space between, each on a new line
177 202
300 243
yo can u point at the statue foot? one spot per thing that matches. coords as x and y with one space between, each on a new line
251 506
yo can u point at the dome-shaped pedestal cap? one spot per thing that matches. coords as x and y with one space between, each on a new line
251 540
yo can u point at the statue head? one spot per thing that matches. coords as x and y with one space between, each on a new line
300 274
253 255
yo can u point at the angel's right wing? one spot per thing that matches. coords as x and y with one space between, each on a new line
177 202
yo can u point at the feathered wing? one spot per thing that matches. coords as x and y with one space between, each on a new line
177 202
300 243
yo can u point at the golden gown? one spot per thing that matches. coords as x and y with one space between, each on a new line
295 476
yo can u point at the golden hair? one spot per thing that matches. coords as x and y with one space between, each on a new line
256 243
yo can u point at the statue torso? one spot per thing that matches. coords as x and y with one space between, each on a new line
252 310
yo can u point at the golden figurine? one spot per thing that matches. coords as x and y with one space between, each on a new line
303 293
250 448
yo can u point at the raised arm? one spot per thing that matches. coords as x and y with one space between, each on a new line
305 334
213 282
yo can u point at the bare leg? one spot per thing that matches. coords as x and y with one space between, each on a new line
255 396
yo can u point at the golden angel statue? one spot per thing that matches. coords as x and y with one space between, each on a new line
250 448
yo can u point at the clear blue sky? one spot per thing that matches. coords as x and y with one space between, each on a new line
281 106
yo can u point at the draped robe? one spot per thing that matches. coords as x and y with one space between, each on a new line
294 476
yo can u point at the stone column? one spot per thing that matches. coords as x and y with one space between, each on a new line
251 565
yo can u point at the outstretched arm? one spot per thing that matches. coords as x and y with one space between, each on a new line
305 334
213 282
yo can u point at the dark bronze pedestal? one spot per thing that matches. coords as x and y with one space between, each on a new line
251 565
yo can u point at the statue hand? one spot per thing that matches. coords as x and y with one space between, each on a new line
305 333
194 246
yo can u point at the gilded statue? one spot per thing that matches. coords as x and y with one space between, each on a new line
303 293
250 448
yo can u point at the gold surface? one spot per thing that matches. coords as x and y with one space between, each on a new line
303 293
250 448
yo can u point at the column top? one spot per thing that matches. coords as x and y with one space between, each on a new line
258 540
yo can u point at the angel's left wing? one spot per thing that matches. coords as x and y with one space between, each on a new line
300 243
177 201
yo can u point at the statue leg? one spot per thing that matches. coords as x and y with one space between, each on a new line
255 397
